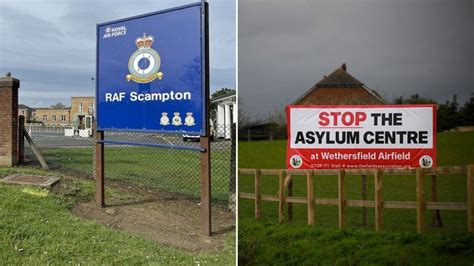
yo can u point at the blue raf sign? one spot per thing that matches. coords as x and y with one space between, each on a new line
150 72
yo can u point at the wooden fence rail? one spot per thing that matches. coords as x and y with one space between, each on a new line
285 185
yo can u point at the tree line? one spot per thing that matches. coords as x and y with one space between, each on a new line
449 114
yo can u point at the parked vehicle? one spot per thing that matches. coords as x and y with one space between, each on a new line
187 137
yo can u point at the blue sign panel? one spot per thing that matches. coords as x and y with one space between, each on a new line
150 72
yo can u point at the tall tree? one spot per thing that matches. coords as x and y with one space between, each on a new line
466 113
414 99
448 116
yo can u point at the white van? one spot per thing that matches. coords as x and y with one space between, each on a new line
187 137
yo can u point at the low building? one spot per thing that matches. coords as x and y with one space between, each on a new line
74 115
80 108
25 111
226 114
56 117
339 88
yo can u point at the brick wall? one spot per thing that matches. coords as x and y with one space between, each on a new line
9 121
48 115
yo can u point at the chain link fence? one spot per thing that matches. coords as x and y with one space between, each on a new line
169 170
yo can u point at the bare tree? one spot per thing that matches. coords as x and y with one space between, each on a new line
244 116
58 106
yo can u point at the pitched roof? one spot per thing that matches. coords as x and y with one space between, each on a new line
22 106
339 78
220 97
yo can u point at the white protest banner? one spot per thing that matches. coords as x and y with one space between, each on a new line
361 136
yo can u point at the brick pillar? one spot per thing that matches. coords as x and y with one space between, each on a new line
9 120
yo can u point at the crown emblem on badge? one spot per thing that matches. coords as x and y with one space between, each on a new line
144 64
145 41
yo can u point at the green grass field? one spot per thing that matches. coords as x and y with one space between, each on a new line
38 228
452 149
154 168
263 243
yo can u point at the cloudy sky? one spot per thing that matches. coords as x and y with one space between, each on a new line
397 48
50 45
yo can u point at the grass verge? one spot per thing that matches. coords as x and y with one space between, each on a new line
37 227
273 244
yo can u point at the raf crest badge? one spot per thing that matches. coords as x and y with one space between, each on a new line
145 62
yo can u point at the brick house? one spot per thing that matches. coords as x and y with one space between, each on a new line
51 116
80 108
25 111
339 88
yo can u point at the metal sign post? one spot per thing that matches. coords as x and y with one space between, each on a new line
152 75
205 139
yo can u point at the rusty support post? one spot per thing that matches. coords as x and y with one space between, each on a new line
99 169
205 140
205 186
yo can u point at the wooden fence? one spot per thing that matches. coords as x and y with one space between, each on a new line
421 205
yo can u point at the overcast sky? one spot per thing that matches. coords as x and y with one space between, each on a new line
50 45
397 48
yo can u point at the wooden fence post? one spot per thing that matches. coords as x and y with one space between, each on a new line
364 198
436 217
310 196
35 150
420 201
342 201
378 200
290 204
258 193
470 198
281 197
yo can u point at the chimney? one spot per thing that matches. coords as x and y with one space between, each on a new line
344 67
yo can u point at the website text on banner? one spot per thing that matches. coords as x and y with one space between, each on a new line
368 136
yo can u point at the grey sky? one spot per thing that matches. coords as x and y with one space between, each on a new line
50 45
397 48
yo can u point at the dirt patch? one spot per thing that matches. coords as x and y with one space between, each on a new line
168 220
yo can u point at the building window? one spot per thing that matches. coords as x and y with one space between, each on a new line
91 107
45 117
54 117
22 112
63 118
81 107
